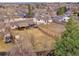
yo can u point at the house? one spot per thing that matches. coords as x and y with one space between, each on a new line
23 15
60 19
22 23
65 19
42 18
68 13
39 20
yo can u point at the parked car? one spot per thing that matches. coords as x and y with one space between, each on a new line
8 38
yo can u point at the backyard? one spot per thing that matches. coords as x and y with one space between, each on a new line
36 39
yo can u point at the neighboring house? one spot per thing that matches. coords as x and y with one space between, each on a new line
14 20
23 15
60 19
68 13
42 18
65 18
39 21
22 23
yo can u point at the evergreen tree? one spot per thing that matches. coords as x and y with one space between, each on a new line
29 10
68 44
61 10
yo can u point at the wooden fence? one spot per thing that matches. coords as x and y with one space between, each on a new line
47 32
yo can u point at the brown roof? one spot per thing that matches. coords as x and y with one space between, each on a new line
22 22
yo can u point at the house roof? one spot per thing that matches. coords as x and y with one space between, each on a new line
57 17
22 22
43 16
60 17
68 13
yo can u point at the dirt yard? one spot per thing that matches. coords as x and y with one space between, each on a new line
36 39
53 28
4 46
39 40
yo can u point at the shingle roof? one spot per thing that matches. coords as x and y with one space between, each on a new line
43 16
22 22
